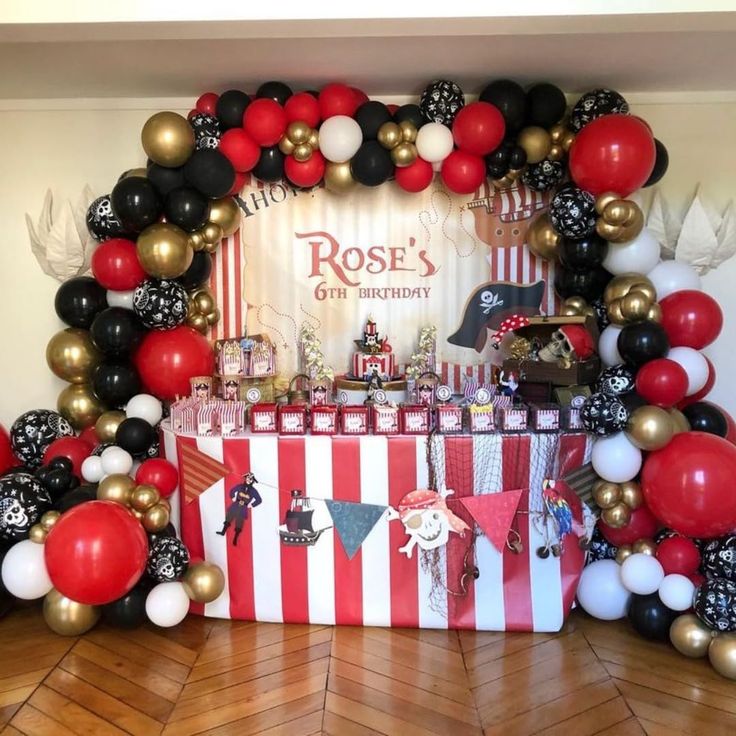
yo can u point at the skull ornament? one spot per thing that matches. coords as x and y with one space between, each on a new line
168 559
12 514
568 344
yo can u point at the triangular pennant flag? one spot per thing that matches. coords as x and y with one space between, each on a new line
353 522
198 472
494 513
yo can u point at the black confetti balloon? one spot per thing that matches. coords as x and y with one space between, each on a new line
543 175
616 380
601 314
715 604
154 449
206 130
572 212
719 558
441 101
160 304
603 414
276 91
594 105
102 222
34 431
23 500
600 548
168 560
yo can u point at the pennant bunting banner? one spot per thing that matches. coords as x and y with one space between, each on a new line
353 522
199 472
494 513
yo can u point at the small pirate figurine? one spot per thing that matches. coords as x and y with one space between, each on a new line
319 395
509 384
231 389
201 390
371 343
374 383
425 394
242 497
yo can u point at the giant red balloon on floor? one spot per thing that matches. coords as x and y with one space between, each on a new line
615 153
689 484
96 552
691 319
167 359
462 172
478 128
7 458
643 525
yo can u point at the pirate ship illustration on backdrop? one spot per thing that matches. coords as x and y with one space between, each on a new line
304 521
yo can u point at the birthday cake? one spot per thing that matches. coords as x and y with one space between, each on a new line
374 358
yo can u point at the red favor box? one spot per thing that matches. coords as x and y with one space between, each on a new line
324 419
513 418
354 419
385 419
415 419
263 418
482 418
449 419
545 418
293 419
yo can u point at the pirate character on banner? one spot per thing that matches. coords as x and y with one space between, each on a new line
242 497
23 500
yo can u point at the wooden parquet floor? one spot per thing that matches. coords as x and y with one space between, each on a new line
221 678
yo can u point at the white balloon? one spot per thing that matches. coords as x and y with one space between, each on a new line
695 365
145 406
669 276
676 592
340 137
434 142
641 574
122 299
639 255
92 470
608 346
116 460
615 458
24 571
167 604
601 593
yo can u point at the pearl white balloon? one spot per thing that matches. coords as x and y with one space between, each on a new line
676 592
601 593
669 276
608 346
639 255
168 603
340 137
92 470
695 365
24 571
641 574
122 299
434 142
116 460
145 406
615 458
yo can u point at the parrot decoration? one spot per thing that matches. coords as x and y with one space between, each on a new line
559 520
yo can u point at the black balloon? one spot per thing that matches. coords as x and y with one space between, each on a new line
75 497
371 165
661 164
715 604
79 300
545 105
210 172
32 432
587 284
135 436
270 166
160 304
168 560
116 331
411 114
371 116
595 104
641 342
601 313
705 417
198 272
277 91
57 482
719 558
230 108
603 414
165 179
168 531
441 101
115 382
206 130
23 500
187 208
60 462
517 158
618 380
572 212
510 99
544 175
584 253
128 612
101 220
650 617
136 203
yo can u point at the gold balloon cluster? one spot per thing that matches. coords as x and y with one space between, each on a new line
202 311
168 139
164 250
617 501
691 637
650 427
223 220
78 404
644 546
542 238
38 532
562 139
399 138
72 356
576 306
67 617
299 141
631 297
203 582
143 501
619 220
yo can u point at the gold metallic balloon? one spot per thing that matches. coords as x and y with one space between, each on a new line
168 139
575 306
619 286
390 135
644 547
615 313
404 154
607 494
690 636
155 518
557 133
67 617
196 241
623 552
203 301
212 233
138 514
536 142
654 314
211 247
634 306
117 487
163 250
542 238
78 404
107 425
203 582
37 534
617 211
556 152
650 428
722 655
339 178
198 322
631 494
225 213
303 152
568 140
144 496
313 140
408 131
213 317
286 146
72 356
679 421
49 519
617 516
298 132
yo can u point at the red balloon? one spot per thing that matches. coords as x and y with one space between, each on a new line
678 555
703 391
302 107
463 172
7 457
731 434
159 473
416 176
207 103
75 448
265 121
167 359
662 382
337 99
614 153
478 128
689 484
96 552
643 525
691 318
360 97
239 149
305 173
697 579
89 435
241 178
116 266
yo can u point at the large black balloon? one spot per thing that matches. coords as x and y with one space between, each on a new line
545 105
230 108
661 163
23 500
115 382
411 114
136 203
210 172
161 304
165 179
101 220
603 414
371 165
135 436
198 272
168 560
582 254
270 166
595 104
719 558
57 481
510 99
650 617
276 91
74 498
116 331
715 604
32 432
128 612
206 130
371 116
705 417
572 212
187 208
587 284
79 300
641 342
441 101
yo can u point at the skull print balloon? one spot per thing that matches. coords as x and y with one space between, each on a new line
572 212
719 558
616 380
23 500
603 414
715 604
160 304
34 431
168 560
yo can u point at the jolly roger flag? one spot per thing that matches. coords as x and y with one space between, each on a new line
353 522
489 305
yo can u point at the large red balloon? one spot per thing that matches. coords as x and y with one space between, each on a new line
691 318
463 172
302 107
662 382
96 552
338 99
416 176
7 457
159 473
478 128
116 266
89 435
615 153
167 359
643 525
689 484
700 395
207 103
74 448
678 555
305 173
265 121
237 146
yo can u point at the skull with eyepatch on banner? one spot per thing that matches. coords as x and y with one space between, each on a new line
567 345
